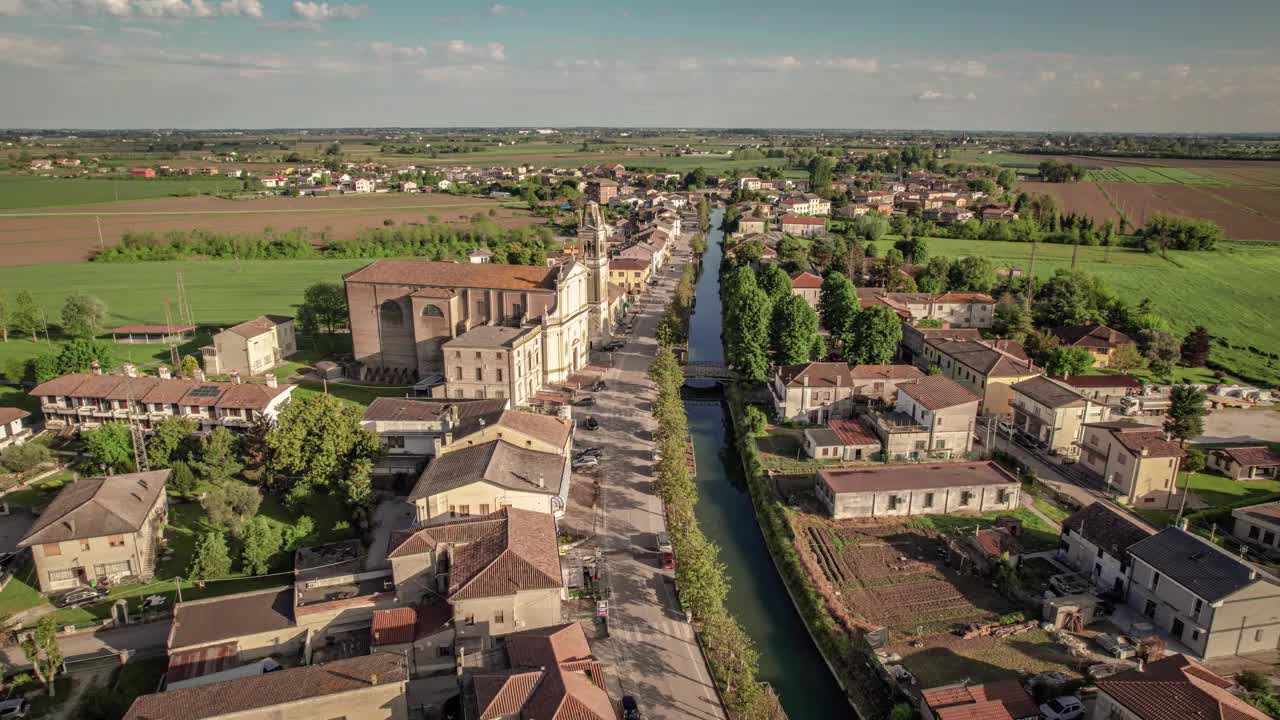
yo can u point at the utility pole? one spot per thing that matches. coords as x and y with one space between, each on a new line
1031 270
173 346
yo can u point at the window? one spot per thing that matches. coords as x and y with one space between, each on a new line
444 651
52 549
498 617
431 311
84 545
116 541
1257 636
457 373
1268 538
922 444
965 497
893 502
484 508
1195 612
116 568
479 374
1155 580
1122 458
393 442
1099 552
391 314
453 510
1253 532
928 499
1195 635
464 509
478 355
62 576
470 620
1150 609
499 374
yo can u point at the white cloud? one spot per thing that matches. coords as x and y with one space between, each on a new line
865 66
82 29
500 9
962 68
172 8
780 63
30 52
241 8
461 49
940 96
145 32
390 52
315 12
12 8
1048 76
1179 72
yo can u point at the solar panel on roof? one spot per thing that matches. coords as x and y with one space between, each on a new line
205 391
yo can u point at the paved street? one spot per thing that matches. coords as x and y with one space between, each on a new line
652 649
145 639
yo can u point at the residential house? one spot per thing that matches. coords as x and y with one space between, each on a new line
1096 541
933 417
86 400
412 430
1000 700
1202 596
1054 414
1097 338
1171 687
803 225
499 573
914 338
531 431
916 489
363 185
479 256
952 309
841 440
1139 462
602 191
749 182
988 368
11 430
549 673
99 528
812 392
808 286
999 212
1104 389
422 633
254 347
494 361
142 172
879 383
369 687
1256 462
1259 525
748 225
497 473
631 273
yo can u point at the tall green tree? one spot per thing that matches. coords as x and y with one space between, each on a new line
747 333
79 355
27 318
259 543
1065 360
172 441
218 461
1070 297
1161 349
1007 179
793 333
230 502
1011 319
1195 347
935 276
872 337
774 281
110 447
914 249
1186 413
212 559
973 273
820 170
324 308
83 316
1126 357
320 442
837 302
42 650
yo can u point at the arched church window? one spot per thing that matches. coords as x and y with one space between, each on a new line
391 314
431 311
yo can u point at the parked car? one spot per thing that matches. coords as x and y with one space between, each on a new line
80 596
666 554
599 385
594 452
586 462
1117 646
630 708
15 708
615 345
1066 707
587 401
592 423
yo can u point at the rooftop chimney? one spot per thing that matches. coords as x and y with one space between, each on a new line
373 679
804 380
541 482
272 381
164 372
453 414
96 367
198 375
1182 524
235 377
130 370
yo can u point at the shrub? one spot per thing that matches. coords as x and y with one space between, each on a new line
211 558
21 458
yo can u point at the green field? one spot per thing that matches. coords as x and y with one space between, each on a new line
1152 175
20 192
1232 290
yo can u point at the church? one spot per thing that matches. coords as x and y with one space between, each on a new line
490 330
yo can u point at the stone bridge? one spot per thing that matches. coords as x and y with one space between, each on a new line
709 370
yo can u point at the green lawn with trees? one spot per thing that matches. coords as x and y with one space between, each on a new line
21 192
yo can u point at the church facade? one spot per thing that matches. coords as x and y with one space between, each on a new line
410 318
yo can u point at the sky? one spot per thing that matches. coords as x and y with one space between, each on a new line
1085 65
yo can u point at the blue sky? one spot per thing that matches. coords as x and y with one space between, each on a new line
1151 65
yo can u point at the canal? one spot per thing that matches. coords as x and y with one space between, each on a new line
789 661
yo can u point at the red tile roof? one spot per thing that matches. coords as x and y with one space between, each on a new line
455 275
977 700
1177 687
912 476
852 432
1143 440
885 372
936 392
394 626
806 281
1253 456
802 220
818 374
567 685
9 414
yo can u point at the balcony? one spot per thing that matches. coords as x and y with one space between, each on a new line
892 422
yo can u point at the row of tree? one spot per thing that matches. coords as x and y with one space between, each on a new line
730 652
82 316
765 322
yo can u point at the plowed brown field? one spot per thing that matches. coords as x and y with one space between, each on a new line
1139 202
1082 198
71 234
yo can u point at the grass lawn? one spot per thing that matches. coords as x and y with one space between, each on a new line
18 192
42 705
1220 490
1231 290
1054 512
39 494
20 592
1037 535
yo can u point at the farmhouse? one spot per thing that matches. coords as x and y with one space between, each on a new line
1137 461
933 417
1097 338
1171 687
802 225
751 225
1259 525
1258 462
916 489
253 347
11 430
494 361
841 440
99 528
1054 413
812 392
1202 596
1096 541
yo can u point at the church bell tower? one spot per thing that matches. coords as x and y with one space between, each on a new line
595 256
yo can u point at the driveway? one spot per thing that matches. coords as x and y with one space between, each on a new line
1237 425
390 515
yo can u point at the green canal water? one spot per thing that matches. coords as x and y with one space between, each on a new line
789 660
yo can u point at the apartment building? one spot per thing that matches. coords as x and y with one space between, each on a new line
1054 414
933 417
1138 462
989 369
494 361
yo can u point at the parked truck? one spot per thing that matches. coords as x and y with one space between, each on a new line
1144 405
